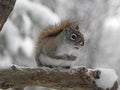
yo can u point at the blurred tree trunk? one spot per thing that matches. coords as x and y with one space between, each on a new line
6 6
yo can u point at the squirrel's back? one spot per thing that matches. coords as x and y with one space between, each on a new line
54 30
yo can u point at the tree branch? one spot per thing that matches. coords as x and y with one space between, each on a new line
6 6
48 77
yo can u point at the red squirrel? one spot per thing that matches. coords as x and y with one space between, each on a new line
54 44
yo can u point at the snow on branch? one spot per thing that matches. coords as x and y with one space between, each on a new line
58 78
6 6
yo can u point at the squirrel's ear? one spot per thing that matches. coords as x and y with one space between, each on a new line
77 27
66 30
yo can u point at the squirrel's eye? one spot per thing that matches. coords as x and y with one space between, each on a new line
73 36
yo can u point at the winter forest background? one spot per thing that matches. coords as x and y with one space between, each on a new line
100 24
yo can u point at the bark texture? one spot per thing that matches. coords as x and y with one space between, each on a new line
77 79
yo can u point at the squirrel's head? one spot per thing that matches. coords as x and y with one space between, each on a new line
74 36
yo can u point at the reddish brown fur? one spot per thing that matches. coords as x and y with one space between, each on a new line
55 30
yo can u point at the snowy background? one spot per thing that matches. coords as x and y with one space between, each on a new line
100 26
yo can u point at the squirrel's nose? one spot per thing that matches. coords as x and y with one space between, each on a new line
81 43
82 40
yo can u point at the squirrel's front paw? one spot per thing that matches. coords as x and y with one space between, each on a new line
71 57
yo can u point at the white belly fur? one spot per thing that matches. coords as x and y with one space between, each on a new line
64 49
45 60
67 49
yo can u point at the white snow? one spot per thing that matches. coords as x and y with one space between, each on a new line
112 23
5 61
26 24
12 37
27 46
15 41
38 12
107 78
